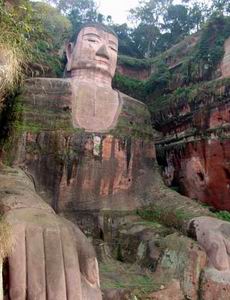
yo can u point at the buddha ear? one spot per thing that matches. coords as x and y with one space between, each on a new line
69 51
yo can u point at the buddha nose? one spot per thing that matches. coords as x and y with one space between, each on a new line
103 52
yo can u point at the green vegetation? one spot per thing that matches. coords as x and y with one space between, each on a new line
158 24
35 32
211 90
135 63
16 26
15 29
168 217
48 50
127 276
210 50
132 87
223 215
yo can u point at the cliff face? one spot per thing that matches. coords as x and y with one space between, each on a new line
195 151
195 147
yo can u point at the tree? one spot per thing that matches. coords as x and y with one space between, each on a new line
83 11
198 13
56 25
145 37
221 7
150 12
177 22
126 44
65 6
161 23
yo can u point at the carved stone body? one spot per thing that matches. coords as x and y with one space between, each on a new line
88 148
78 170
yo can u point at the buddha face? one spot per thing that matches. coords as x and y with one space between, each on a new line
95 49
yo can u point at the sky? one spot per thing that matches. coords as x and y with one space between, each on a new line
118 9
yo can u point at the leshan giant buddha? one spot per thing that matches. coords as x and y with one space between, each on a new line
90 148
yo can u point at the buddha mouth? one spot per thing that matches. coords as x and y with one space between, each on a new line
103 61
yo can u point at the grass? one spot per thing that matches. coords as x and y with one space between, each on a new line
223 215
171 218
116 275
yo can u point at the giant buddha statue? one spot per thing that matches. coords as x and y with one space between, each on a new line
87 149
86 145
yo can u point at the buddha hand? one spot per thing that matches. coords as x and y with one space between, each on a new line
51 258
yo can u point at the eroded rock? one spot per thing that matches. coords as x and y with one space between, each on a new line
171 292
215 285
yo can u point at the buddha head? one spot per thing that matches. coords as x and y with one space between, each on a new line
95 50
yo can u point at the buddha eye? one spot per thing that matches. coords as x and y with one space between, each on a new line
112 48
92 40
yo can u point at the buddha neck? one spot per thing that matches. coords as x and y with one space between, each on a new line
92 77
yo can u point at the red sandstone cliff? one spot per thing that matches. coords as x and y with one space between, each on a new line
195 148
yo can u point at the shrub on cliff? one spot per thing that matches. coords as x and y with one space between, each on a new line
48 49
14 32
35 33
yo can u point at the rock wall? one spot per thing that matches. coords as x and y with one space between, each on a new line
195 149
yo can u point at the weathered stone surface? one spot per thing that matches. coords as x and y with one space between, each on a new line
117 294
212 234
95 108
165 257
203 171
78 168
183 260
171 292
215 285
92 62
195 149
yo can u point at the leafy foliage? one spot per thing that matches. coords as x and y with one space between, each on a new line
129 86
133 62
126 43
221 6
35 33
16 29
162 23
17 26
223 215
81 12
210 49
56 29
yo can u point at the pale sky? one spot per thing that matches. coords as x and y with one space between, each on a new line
118 9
